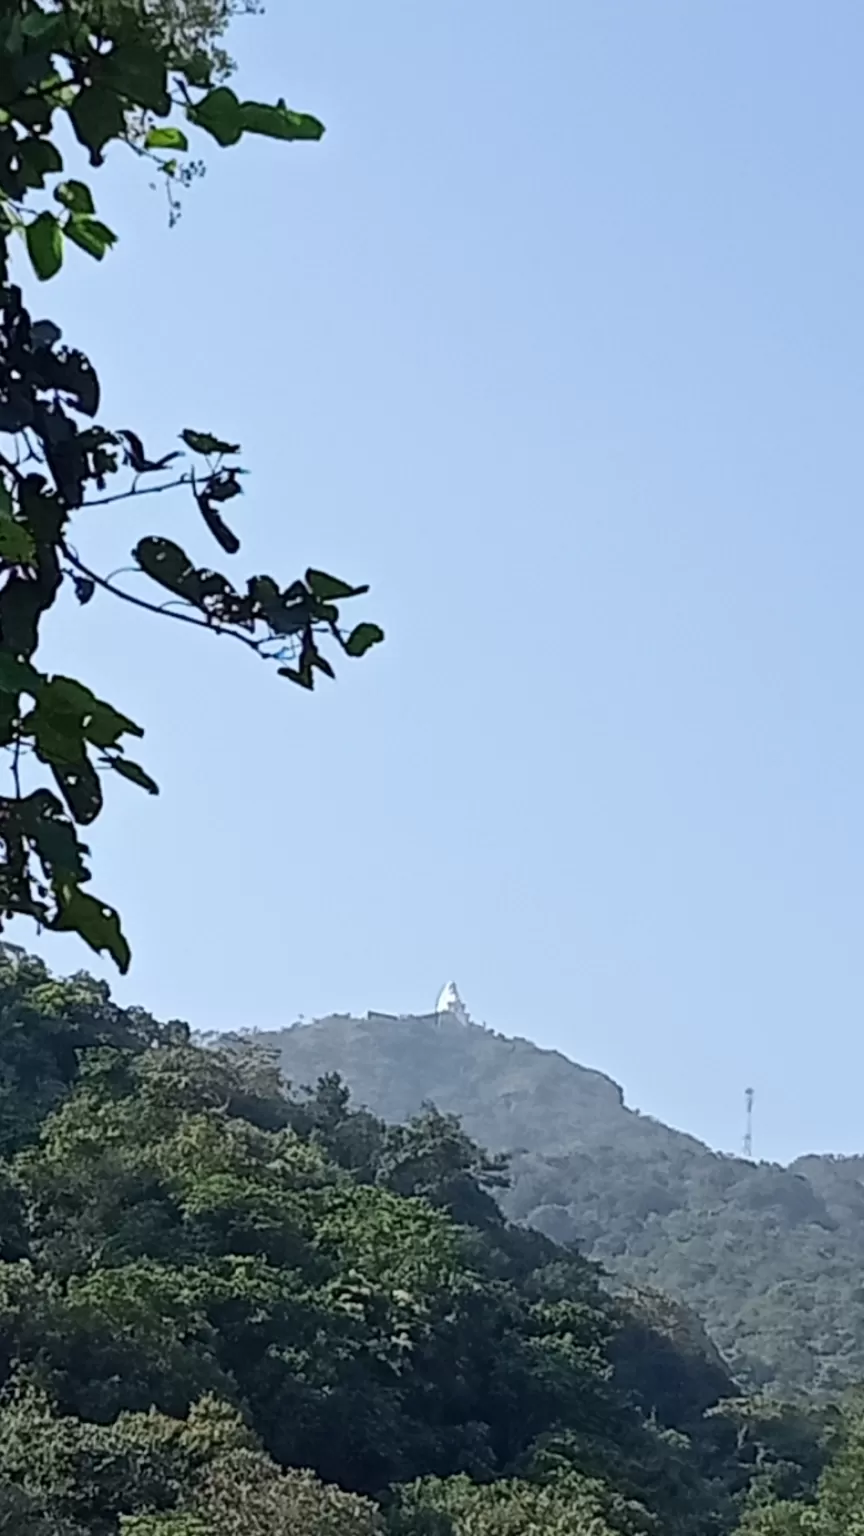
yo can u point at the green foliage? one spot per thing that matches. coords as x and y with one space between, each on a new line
771 1258
44 1026
244 1494
226 1306
118 75
573 1506
203 1473
838 1506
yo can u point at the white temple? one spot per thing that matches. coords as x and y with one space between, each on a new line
449 1001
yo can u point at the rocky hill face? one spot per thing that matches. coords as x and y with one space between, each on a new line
771 1257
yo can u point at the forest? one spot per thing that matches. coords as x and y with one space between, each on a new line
229 1305
770 1258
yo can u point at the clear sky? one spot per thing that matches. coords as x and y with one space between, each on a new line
556 339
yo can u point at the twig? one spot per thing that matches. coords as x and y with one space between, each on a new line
164 613
16 771
147 490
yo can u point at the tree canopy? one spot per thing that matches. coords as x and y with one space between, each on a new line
228 1304
769 1258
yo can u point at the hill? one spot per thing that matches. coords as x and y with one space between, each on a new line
772 1258
228 1309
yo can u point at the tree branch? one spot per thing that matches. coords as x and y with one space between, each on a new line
161 612
147 490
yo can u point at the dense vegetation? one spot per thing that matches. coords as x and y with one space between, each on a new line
226 1307
771 1258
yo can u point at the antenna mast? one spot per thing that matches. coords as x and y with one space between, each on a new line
748 1124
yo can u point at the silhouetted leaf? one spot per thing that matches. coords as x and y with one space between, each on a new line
97 924
224 486
74 375
38 158
303 678
361 638
53 835
166 562
137 457
322 664
206 443
17 676
330 587
135 774
44 333
220 530
97 117
137 72
79 785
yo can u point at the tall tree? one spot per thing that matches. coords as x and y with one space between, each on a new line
143 76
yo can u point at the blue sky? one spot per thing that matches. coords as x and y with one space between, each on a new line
556 339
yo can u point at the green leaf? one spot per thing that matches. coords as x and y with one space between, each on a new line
67 717
303 678
198 69
33 111
18 676
92 236
101 723
78 783
53 836
166 138
98 925
165 561
45 246
47 28
97 117
328 588
219 115
135 774
55 741
322 664
361 638
76 196
217 526
138 72
38 158
279 122
16 542
168 564
206 443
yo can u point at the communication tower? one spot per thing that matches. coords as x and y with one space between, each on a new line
748 1123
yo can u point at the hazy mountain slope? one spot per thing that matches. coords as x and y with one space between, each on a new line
772 1258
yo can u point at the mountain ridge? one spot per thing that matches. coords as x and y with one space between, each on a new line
768 1255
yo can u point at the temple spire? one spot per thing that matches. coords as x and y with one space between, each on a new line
449 1001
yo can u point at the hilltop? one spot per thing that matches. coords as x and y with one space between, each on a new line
772 1258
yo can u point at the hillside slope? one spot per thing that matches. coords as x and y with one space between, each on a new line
227 1309
772 1257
